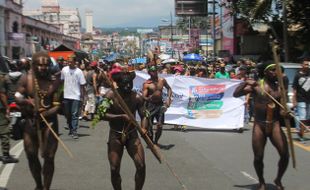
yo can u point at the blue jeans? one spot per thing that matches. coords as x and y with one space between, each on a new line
302 113
72 112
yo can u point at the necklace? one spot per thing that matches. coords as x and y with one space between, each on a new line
42 93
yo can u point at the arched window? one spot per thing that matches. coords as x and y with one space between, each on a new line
51 18
15 27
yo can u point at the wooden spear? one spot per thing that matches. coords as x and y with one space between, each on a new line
56 136
36 106
127 111
279 104
283 100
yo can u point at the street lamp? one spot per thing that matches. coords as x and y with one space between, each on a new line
214 27
171 32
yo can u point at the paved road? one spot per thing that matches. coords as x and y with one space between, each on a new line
201 159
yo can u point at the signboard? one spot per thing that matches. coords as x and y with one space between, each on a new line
16 36
228 31
191 7
194 37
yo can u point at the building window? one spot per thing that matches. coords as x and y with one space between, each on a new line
51 18
15 27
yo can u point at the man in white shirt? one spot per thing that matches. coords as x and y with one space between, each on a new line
74 90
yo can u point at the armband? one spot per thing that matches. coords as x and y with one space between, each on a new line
56 103
18 95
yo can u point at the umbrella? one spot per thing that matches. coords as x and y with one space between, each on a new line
112 57
192 57
138 60
170 61
164 56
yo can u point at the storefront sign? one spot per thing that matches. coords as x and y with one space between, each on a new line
16 36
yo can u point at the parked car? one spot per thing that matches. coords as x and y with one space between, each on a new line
290 70
4 64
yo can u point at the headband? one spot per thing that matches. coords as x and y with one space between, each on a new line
269 66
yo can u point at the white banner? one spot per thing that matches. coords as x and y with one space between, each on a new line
200 102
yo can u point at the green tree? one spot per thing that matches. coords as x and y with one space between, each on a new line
270 12
195 22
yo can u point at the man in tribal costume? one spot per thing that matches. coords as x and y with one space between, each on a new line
36 96
155 106
122 132
267 117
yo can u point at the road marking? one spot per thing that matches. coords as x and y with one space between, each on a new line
8 168
298 143
249 176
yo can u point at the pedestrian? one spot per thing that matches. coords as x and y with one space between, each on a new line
242 75
122 133
267 117
155 106
301 96
74 91
4 124
36 96
91 91
222 74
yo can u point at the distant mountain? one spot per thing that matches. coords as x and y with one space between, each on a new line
124 30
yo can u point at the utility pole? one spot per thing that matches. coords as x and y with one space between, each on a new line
171 35
189 30
285 40
214 45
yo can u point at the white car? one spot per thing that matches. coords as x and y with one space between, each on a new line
290 69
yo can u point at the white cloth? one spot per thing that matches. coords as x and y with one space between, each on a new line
90 106
73 79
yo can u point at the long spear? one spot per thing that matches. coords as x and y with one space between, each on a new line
127 111
279 104
56 136
283 100
36 106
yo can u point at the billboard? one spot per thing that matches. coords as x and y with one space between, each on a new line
191 7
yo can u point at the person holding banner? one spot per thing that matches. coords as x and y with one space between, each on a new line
155 107
267 117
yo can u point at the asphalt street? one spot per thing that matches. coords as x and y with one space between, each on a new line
196 159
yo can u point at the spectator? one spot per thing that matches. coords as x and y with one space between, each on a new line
74 82
301 96
222 74
91 91
4 125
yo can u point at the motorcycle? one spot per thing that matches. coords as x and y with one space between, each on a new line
16 121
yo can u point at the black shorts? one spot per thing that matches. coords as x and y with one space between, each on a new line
155 111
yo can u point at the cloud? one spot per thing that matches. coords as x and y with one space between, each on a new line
118 12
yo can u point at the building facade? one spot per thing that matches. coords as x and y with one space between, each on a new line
67 19
22 36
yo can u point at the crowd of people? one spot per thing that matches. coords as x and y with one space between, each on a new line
39 88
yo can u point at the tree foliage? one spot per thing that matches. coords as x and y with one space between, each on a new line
270 12
195 22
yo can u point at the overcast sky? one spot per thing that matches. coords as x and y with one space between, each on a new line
125 13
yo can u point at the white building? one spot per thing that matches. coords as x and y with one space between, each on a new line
89 21
67 19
